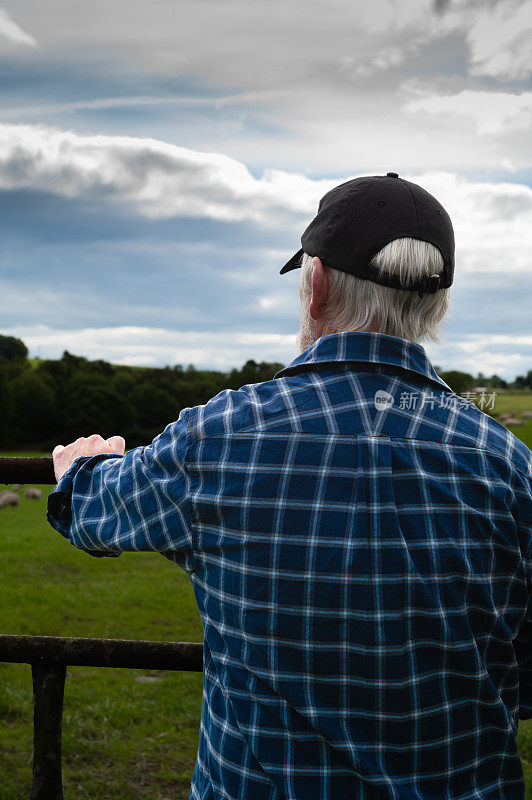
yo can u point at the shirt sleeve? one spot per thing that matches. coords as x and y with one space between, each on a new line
523 652
523 640
109 504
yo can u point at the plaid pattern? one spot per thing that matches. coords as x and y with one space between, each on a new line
363 576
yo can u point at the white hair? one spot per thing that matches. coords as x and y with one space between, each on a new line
357 304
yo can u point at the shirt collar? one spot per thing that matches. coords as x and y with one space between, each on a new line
365 347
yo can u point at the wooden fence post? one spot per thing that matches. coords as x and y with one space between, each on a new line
48 690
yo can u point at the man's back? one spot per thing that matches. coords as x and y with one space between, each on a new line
361 577
361 574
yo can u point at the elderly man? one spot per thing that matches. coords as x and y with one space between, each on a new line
359 538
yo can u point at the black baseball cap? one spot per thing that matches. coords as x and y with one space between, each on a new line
358 218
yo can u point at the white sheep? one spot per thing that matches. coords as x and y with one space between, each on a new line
9 498
31 493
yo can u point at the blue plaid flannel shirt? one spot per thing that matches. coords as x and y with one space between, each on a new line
363 574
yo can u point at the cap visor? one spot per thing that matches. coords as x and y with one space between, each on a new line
293 263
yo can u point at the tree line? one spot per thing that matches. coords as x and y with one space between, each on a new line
46 402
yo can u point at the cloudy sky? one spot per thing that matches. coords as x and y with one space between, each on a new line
159 160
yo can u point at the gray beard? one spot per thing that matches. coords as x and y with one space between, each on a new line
307 334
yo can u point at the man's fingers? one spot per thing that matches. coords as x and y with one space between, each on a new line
94 443
117 444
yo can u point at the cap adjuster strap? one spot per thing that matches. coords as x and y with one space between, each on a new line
429 285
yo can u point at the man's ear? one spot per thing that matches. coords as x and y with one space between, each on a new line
320 287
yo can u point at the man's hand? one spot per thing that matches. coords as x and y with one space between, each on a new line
85 446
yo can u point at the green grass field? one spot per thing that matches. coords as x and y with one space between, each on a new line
122 738
516 402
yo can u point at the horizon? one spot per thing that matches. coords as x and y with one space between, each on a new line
186 366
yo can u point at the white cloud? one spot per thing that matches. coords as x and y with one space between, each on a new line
476 342
300 105
499 354
138 346
493 221
160 179
11 31
500 41
498 34
492 112
277 302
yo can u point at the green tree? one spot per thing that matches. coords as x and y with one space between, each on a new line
96 408
153 407
12 348
33 408
497 383
524 381
72 364
125 381
253 372
458 381
5 408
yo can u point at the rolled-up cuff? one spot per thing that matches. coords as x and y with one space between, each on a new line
59 505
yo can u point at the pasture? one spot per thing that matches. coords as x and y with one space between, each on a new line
126 733
516 403
122 737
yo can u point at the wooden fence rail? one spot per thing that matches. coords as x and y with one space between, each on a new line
49 657
21 469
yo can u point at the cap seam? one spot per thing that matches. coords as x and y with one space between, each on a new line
335 216
414 202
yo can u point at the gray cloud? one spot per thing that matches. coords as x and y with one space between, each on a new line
291 102
160 180
441 6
